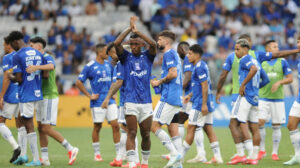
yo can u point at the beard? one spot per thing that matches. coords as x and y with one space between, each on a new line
161 47
182 56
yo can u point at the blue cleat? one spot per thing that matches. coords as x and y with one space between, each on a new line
173 160
34 163
21 160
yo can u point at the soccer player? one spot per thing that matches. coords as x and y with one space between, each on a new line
30 92
182 50
271 104
294 120
47 108
100 74
232 64
9 101
202 108
137 66
170 101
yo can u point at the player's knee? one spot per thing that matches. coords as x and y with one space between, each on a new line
115 127
97 127
131 133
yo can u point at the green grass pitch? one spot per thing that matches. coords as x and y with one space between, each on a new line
81 137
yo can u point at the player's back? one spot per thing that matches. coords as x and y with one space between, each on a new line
172 91
30 88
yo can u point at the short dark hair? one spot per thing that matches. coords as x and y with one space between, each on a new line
183 43
38 40
15 35
245 36
269 42
100 46
196 48
134 35
168 34
109 47
6 40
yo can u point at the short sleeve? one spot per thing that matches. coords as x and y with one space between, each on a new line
187 66
123 56
120 72
228 63
17 65
201 74
263 56
285 67
170 60
84 74
114 79
246 62
5 64
48 59
149 56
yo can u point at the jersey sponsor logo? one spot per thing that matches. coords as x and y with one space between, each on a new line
170 63
81 76
105 79
30 52
5 66
95 67
272 74
202 76
119 73
187 66
98 72
144 72
37 93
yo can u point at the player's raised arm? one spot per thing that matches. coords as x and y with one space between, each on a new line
285 53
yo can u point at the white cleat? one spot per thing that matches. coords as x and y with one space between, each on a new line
198 159
72 155
45 162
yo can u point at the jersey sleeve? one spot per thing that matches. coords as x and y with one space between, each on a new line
285 67
187 66
120 72
202 74
263 56
17 65
170 60
228 63
149 56
264 78
246 63
49 60
114 79
84 74
5 64
123 56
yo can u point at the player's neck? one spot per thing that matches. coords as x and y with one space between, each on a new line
197 60
100 60
167 48
10 51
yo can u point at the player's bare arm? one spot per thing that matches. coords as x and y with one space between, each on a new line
172 73
112 91
33 68
186 79
287 80
220 85
81 87
5 84
204 108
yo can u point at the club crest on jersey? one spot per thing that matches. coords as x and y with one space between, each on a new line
137 66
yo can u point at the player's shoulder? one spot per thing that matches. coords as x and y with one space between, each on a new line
89 64
47 55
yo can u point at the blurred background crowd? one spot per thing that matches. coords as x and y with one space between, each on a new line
73 27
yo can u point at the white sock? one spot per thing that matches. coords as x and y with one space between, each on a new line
186 147
240 149
145 157
96 147
131 157
262 132
123 144
32 139
249 146
137 156
199 141
276 138
7 135
255 152
22 140
67 145
44 153
181 130
117 148
165 139
177 142
216 149
295 138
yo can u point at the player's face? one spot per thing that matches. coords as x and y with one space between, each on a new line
16 45
239 51
191 56
36 46
181 52
273 47
135 45
161 42
112 52
6 47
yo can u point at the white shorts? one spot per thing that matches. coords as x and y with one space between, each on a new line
99 114
295 110
27 109
121 116
272 110
46 111
164 112
243 111
10 110
141 111
196 118
186 108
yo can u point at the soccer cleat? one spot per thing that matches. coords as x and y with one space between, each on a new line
251 161
166 156
138 164
237 159
293 161
177 165
127 165
173 160
21 160
144 166
275 157
215 160
261 154
45 162
116 163
198 159
33 163
72 155
15 155
98 158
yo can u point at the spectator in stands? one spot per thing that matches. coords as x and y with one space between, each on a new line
91 8
74 9
78 52
23 14
49 9
176 27
26 36
290 30
66 39
51 37
67 61
73 91
15 8
36 13
4 8
59 85
70 27
110 37
146 13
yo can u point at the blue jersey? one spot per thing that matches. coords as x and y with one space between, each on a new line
137 75
252 87
30 89
120 76
201 74
11 95
298 98
100 77
187 67
171 92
